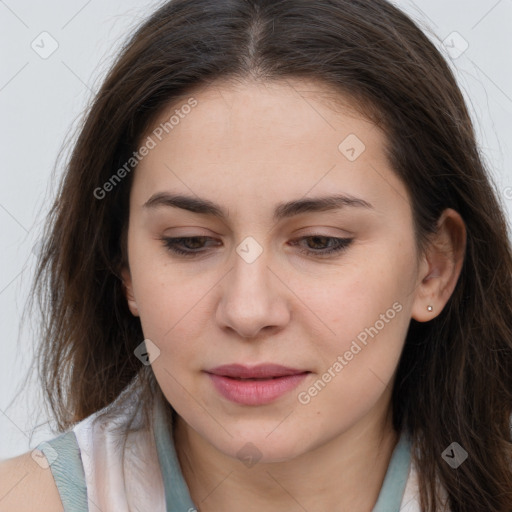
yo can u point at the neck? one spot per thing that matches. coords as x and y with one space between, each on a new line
344 473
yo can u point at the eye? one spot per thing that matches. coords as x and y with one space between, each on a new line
175 245
339 245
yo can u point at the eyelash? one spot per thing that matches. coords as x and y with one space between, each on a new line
341 244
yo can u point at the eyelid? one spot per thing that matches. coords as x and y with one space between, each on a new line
340 245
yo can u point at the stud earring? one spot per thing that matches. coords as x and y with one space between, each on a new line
430 308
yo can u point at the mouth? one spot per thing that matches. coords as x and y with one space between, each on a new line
259 372
254 378
257 385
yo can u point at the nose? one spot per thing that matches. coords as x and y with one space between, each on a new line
253 298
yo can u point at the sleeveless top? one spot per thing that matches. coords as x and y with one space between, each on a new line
97 469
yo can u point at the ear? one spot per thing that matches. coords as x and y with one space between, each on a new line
440 267
128 289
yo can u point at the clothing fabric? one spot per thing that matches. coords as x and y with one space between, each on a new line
97 469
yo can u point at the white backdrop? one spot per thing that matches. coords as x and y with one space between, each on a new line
53 57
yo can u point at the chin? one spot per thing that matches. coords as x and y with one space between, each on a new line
256 446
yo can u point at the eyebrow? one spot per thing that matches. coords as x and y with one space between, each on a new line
282 210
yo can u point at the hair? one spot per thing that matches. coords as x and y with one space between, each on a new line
454 378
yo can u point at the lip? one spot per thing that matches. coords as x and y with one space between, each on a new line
259 371
273 382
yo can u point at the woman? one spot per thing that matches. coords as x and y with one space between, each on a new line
276 276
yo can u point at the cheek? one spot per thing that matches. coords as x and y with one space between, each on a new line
172 311
364 315
159 289
354 299
169 313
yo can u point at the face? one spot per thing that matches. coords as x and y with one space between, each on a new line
327 292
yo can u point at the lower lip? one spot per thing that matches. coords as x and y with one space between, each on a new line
255 392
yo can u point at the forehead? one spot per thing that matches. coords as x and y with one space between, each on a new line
256 141
288 101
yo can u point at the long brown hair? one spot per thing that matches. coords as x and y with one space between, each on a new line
454 379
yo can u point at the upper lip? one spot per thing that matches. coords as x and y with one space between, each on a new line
265 370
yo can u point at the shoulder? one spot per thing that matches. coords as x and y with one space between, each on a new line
27 486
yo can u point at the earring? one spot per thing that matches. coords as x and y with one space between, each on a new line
430 308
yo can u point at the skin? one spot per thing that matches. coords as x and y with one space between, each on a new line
249 146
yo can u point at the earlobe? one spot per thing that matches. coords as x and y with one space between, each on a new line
128 290
441 267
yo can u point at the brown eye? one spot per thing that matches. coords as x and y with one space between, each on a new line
338 245
174 245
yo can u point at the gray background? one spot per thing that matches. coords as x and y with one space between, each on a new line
42 99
